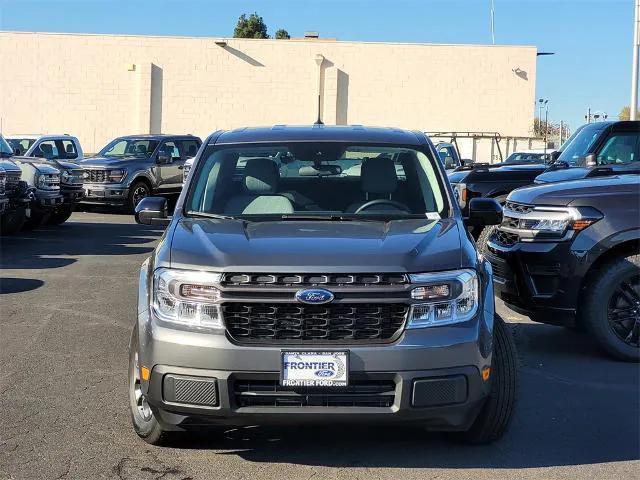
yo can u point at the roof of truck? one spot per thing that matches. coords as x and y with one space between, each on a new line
319 133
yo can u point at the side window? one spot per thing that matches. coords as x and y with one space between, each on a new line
47 149
188 148
620 148
69 149
172 149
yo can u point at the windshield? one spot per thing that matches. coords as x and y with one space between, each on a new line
580 145
316 180
21 144
5 148
129 147
525 157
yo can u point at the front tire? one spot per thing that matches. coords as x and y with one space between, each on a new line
144 422
11 222
611 311
60 216
35 220
494 418
137 192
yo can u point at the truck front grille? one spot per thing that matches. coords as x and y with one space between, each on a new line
3 182
75 178
269 393
518 207
506 239
302 280
295 323
50 181
95 176
13 182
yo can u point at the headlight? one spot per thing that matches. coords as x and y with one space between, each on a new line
187 298
116 176
552 222
450 297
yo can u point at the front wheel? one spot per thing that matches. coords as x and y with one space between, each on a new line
35 220
494 418
611 308
144 422
137 192
11 222
60 216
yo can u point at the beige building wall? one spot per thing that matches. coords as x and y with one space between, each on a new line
101 86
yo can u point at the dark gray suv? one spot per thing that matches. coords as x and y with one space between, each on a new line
314 274
131 168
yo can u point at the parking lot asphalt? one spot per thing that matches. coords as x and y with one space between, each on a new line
67 301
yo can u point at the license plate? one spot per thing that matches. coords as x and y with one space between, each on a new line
315 369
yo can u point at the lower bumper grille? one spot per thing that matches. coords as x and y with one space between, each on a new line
284 323
269 393
506 239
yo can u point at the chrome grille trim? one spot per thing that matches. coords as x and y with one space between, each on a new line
312 279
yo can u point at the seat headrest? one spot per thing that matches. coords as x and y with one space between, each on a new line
378 175
261 176
69 148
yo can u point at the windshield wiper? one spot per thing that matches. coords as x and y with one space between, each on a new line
323 218
209 215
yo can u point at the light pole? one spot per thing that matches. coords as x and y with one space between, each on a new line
546 124
633 108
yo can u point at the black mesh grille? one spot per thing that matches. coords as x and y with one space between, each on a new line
505 238
3 179
243 279
500 268
95 176
518 207
269 393
13 182
287 323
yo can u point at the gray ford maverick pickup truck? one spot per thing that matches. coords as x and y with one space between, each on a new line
318 274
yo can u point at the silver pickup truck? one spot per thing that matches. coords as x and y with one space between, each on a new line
61 152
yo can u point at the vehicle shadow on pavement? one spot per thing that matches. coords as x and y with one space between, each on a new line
47 247
565 416
18 285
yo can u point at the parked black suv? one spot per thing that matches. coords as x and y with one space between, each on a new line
569 254
593 150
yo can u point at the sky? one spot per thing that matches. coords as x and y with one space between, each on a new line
591 39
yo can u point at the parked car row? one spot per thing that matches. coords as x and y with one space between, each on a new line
44 177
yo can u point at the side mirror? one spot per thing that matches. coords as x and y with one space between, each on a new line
163 157
484 211
590 160
152 211
554 156
17 151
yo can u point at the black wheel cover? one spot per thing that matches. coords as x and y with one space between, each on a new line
623 312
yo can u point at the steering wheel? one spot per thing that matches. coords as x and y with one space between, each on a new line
380 201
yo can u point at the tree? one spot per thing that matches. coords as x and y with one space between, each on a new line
282 34
252 27
625 113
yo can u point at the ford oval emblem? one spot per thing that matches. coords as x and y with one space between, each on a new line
325 373
315 296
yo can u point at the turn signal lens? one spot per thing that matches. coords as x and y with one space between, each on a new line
486 373
581 224
145 374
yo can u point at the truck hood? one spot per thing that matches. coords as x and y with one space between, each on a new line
563 174
123 162
563 194
497 172
42 166
575 173
9 166
313 246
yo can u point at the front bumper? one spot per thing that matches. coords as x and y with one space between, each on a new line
72 195
47 200
537 279
105 194
450 355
